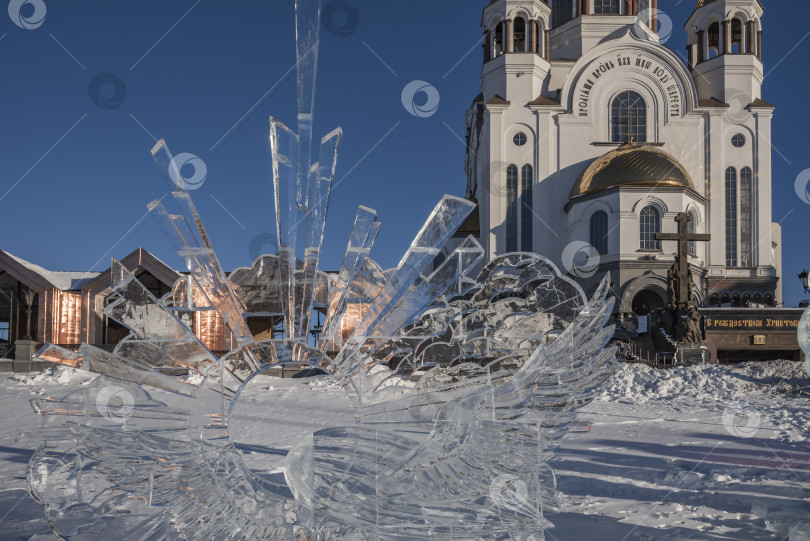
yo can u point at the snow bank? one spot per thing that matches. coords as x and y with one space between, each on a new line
639 383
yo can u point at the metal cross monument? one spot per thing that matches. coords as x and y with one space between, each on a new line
683 237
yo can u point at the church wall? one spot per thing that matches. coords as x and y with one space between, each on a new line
602 61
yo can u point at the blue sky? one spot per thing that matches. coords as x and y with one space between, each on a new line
206 75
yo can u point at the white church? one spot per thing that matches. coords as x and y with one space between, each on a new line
590 132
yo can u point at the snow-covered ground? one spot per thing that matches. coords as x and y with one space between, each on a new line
678 454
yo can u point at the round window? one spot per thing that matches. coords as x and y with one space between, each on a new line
738 140
520 139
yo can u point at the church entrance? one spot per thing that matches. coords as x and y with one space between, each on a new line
647 302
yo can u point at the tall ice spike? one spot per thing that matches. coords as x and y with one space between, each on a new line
284 147
189 238
307 25
323 173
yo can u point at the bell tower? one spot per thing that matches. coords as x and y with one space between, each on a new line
516 49
725 49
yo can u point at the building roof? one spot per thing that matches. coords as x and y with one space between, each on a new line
64 281
637 165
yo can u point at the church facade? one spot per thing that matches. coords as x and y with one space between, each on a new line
590 136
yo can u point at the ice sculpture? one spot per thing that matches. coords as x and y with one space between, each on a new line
502 354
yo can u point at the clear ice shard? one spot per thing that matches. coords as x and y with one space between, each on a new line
464 377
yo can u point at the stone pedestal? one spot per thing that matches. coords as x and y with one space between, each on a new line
23 358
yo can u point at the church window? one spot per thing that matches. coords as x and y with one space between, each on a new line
736 36
769 300
644 12
736 301
599 231
650 227
731 217
757 299
512 208
738 140
747 300
714 40
747 217
715 300
726 299
629 118
607 6
520 35
499 39
562 11
691 228
520 139
527 180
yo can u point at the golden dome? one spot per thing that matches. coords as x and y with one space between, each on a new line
639 164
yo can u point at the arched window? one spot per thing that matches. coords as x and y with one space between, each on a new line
512 208
769 301
650 227
499 39
736 301
715 300
714 40
563 11
599 231
731 217
527 180
757 299
736 36
726 299
691 228
629 118
520 35
607 6
540 38
746 217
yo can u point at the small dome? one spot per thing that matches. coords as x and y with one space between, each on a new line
637 164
